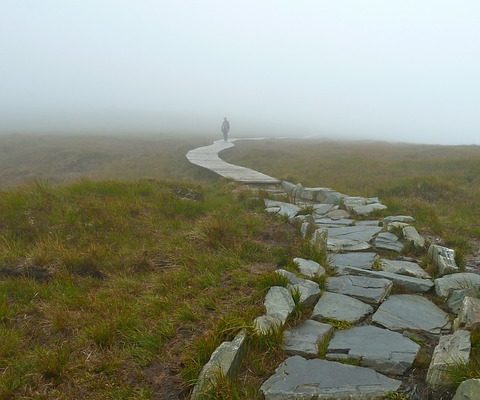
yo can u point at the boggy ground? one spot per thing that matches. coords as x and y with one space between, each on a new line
113 290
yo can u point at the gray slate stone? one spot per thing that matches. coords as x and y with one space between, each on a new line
338 244
368 223
411 312
225 360
322 209
286 209
334 223
368 208
279 303
297 378
409 283
469 315
383 350
463 280
468 390
388 241
357 233
411 235
351 238
451 350
303 340
309 291
320 238
369 290
399 218
305 229
309 268
455 298
404 268
362 260
340 308
338 214
443 258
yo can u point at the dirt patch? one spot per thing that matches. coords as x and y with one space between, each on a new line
165 381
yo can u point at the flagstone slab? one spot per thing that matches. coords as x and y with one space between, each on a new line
408 283
443 258
340 308
279 303
381 349
286 209
298 378
411 312
410 234
362 260
399 218
404 268
388 241
369 290
303 340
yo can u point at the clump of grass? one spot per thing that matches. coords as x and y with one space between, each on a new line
339 325
271 279
52 363
323 345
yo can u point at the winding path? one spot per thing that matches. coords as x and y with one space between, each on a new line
208 157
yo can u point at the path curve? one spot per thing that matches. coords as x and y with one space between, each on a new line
208 157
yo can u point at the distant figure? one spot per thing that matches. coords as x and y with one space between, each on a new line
225 128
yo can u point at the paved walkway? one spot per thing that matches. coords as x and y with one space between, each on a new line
208 157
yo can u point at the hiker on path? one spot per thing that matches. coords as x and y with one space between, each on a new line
225 128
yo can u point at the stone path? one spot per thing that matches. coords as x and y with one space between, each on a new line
208 157
375 309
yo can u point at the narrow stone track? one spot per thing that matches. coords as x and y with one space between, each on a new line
208 157
376 313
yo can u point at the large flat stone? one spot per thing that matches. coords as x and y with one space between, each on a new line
334 223
411 312
451 350
357 233
286 209
340 308
351 238
369 290
468 390
469 315
279 303
463 280
404 268
225 360
338 214
363 260
303 340
383 350
408 283
309 268
297 378
388 241
339 244
443 259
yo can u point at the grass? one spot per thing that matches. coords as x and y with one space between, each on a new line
121 290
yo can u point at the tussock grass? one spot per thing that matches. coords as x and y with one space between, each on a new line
104 286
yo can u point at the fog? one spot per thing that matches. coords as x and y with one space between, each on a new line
391 70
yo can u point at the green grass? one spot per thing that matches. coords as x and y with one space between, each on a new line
106 285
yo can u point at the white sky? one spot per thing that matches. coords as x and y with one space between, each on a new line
396 70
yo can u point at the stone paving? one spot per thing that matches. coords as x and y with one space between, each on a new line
377 309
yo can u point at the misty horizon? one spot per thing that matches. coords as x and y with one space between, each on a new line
349 70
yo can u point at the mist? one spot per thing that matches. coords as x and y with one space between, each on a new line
398 71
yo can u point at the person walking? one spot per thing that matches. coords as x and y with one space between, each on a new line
225 128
